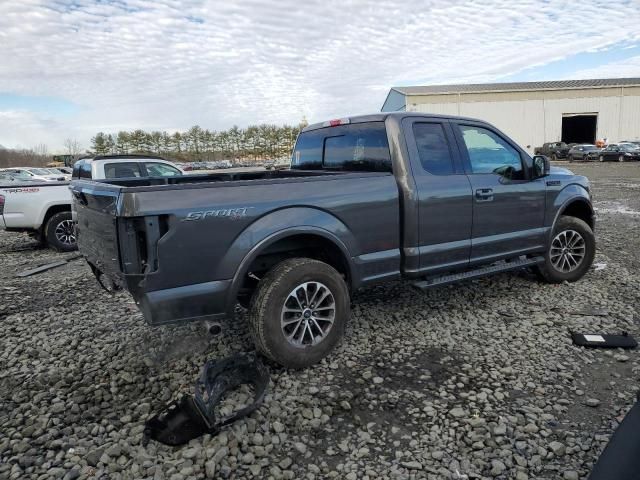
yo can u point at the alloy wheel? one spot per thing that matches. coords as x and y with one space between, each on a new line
65 232
308 314
567 251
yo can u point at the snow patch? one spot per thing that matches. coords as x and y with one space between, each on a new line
615 208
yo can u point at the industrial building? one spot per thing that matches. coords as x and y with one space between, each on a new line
573 111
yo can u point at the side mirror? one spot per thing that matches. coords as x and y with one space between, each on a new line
541 166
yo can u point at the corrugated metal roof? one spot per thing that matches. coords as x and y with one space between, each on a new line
517 86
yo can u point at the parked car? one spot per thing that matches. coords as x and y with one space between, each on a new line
11 177
63 170
124 166
553 150
583 151
621 152
426 198
40 174
55 171
42 209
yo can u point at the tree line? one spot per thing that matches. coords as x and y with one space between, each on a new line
21 157
254 143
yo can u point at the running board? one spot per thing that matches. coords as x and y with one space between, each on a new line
503 266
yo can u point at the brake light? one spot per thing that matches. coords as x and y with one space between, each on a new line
1 204
335 123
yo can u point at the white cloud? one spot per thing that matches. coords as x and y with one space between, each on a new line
160 65
629 67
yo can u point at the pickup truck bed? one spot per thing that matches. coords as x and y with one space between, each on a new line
432 199
158 244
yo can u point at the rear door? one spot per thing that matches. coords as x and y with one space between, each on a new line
444 194
508 206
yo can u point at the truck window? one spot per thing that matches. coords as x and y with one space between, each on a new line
433 148
489 153
353 147
121 170
81 169
155 169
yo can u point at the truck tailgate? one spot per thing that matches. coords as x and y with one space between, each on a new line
95 208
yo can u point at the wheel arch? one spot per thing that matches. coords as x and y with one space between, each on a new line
51 211
316 232
578 207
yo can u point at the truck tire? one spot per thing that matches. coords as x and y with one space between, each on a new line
298 312
570 253
554 157
60 232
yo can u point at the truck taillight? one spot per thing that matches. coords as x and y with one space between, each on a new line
1 204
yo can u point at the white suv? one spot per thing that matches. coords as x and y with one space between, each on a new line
123 166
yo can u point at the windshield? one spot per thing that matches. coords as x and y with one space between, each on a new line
628 147
39 171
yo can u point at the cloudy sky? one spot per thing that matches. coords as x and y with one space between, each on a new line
73 68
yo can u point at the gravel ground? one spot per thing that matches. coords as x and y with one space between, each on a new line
478 380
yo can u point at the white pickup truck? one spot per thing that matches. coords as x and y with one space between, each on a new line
43 209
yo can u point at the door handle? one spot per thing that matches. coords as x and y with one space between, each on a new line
484 195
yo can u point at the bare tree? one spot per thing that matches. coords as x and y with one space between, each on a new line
41 150
73 147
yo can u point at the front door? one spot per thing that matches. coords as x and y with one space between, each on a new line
611 153
444 195
508 206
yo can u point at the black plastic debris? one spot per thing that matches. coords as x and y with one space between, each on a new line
598 340
48 266
191 417
620 459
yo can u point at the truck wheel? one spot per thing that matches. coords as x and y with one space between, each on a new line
554 157
298 312
571 252
61 233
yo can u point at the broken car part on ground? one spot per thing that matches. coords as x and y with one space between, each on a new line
191 417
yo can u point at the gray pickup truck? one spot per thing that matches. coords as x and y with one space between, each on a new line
430 199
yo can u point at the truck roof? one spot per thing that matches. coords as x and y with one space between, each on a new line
381 117
127 156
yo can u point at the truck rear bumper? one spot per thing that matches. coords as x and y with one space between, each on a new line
202 301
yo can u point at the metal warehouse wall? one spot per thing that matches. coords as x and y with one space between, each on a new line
532 118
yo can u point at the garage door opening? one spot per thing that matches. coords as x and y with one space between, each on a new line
579 128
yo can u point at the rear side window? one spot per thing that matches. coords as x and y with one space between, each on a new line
354 147
433 148
121 170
